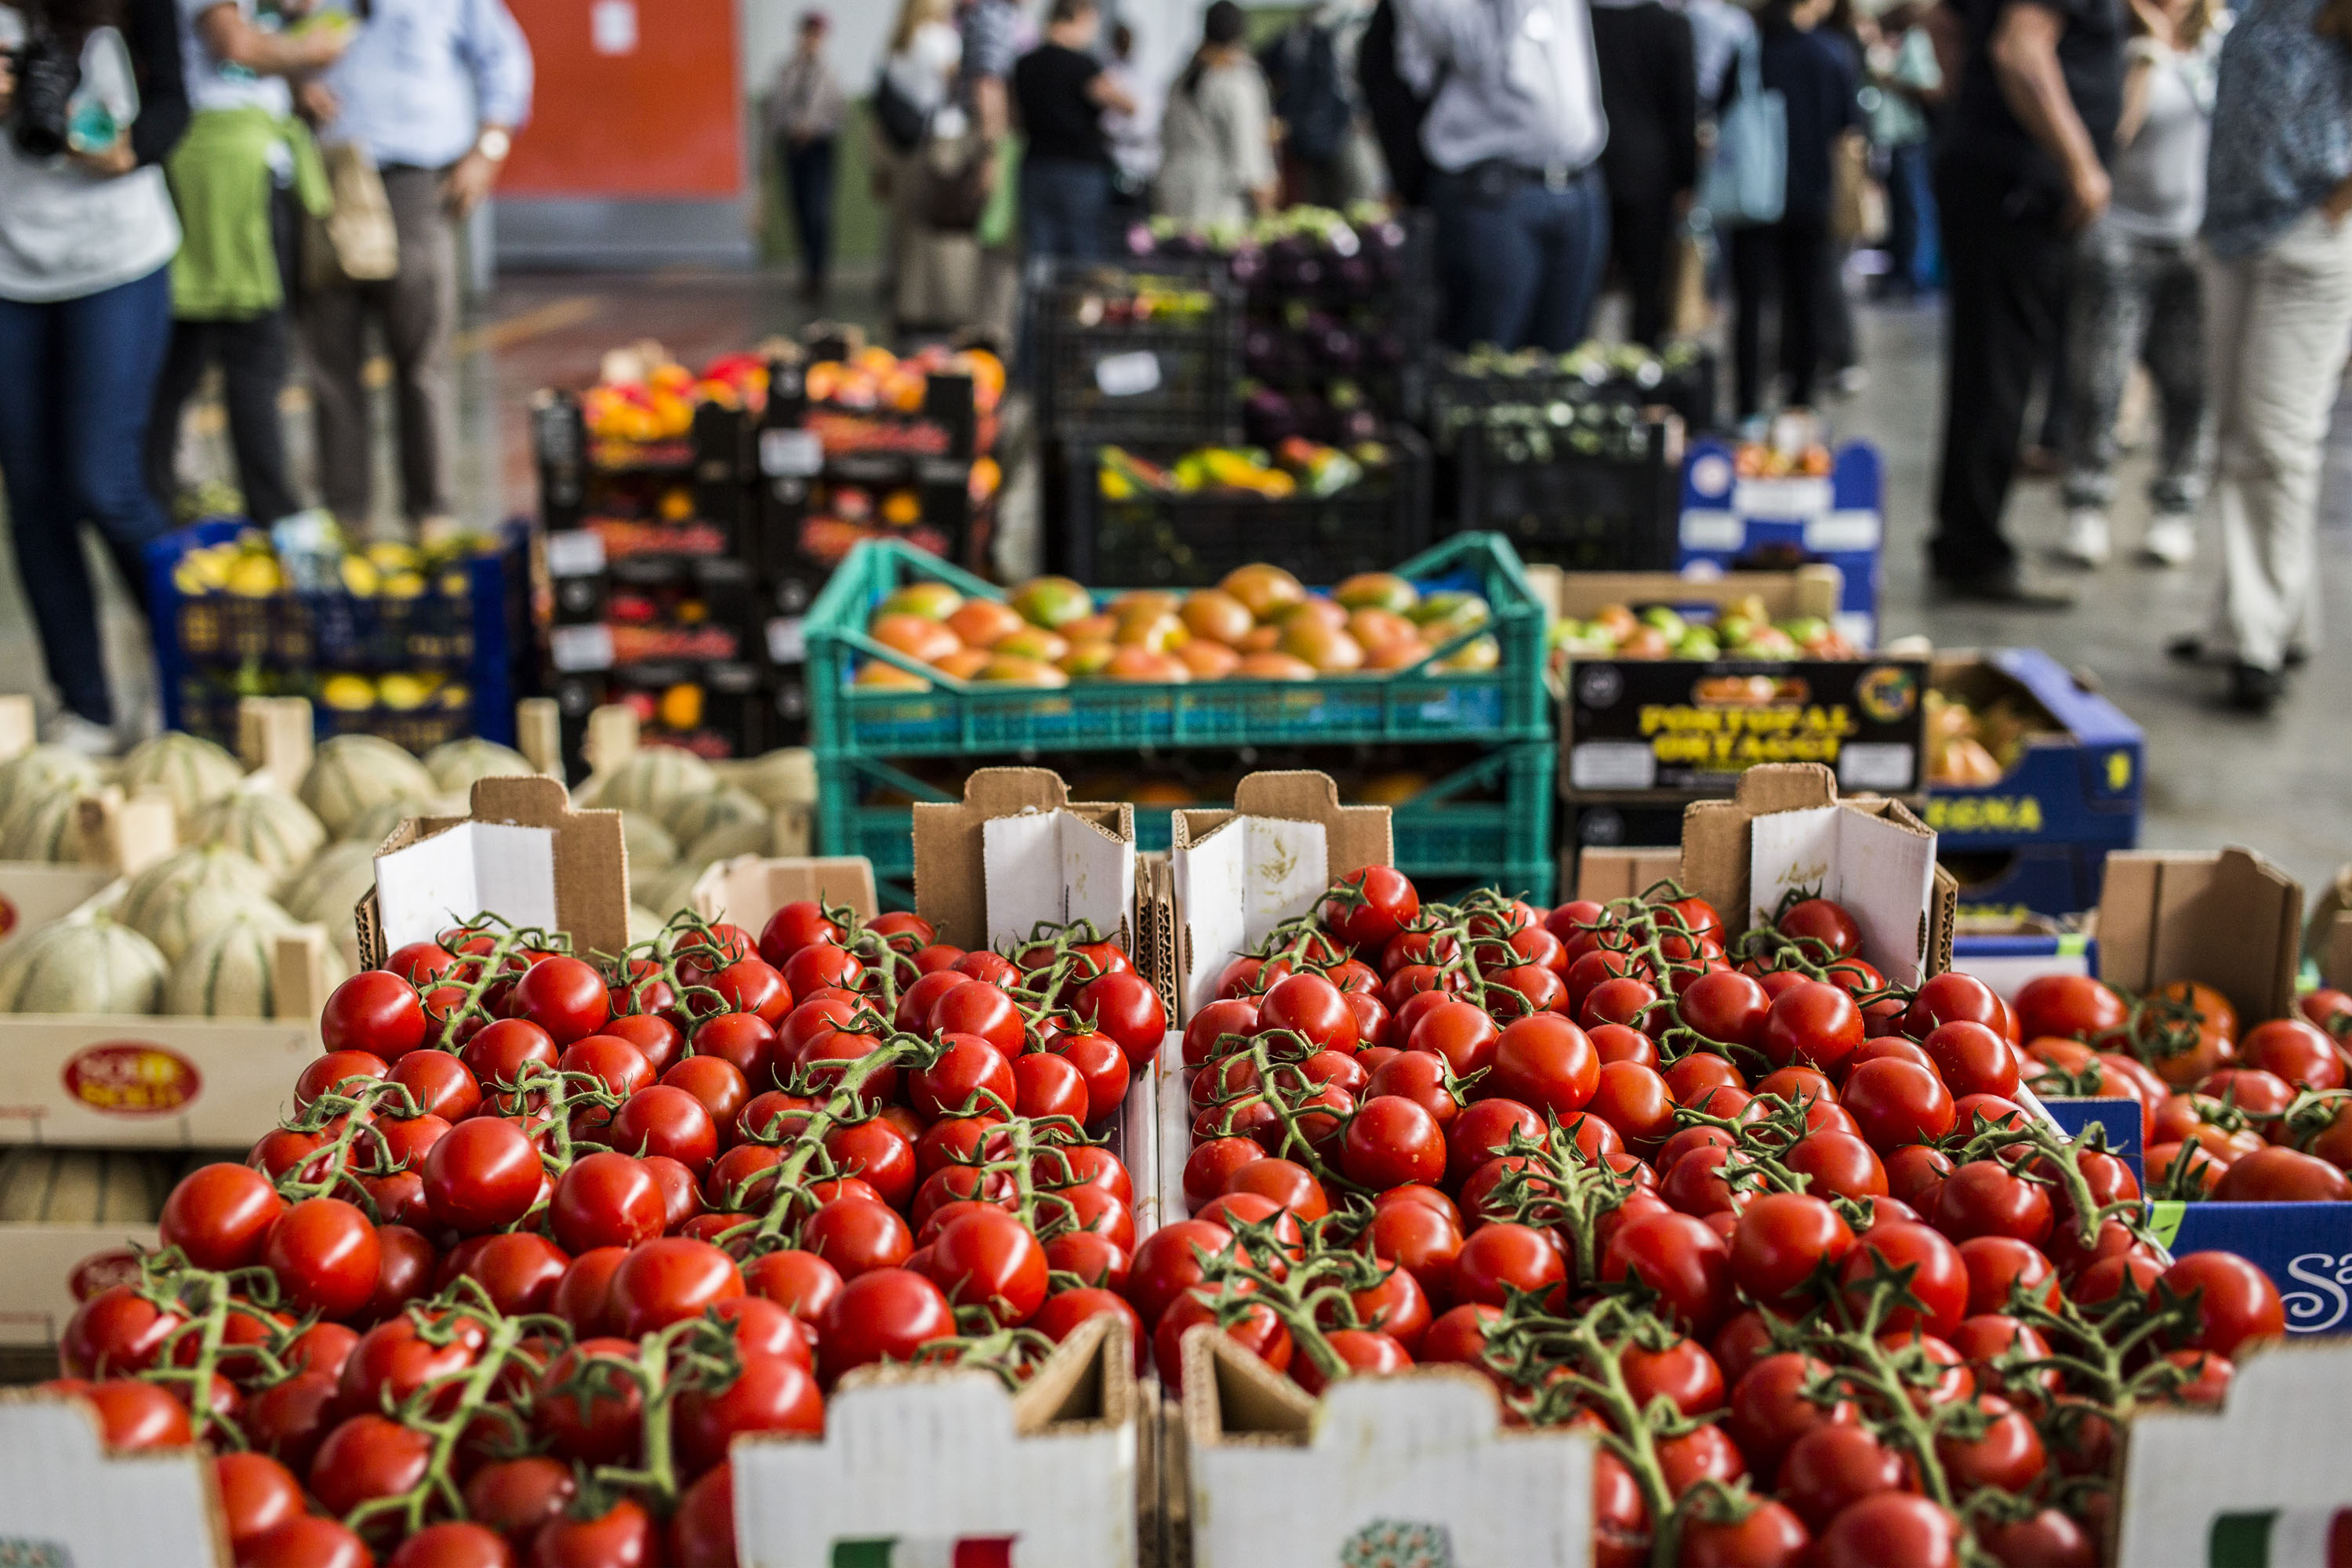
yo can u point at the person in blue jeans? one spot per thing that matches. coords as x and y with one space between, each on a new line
1515 136
1061 90
87 238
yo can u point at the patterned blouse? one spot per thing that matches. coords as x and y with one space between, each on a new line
2282 126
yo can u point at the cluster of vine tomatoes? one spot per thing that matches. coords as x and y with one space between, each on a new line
1799 1246
544 1234
2261 1115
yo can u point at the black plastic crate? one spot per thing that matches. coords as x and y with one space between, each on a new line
1119 372
1382 304
1606 507
1155 539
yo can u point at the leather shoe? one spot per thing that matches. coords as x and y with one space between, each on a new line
2011 587
2253 690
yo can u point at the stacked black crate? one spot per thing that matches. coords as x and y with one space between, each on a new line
645 548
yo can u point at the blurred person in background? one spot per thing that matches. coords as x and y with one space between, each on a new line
1218 133
1719 28
1514 138
1910 97
1649 89
2278 301
1062 92
1310 71
2137 298
432 91
1840 351
86 236
806 110
2022 172
917 79
244 177
1785 261
1134 134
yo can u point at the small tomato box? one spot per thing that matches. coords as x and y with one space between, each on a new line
1743 523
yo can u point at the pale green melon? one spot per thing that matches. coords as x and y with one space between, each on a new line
45 827
328 891
644 925
94 965
228 973
456 764
654 779
188 769
372 827
779 778
730 839
351 773
664 891
188 892
264 823
41 772
649 844
689 819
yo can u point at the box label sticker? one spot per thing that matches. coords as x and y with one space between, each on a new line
2306 1248
1877 765
1392 1543
613 26
2120 1119
8 916
788 454
787 639
1127 375
1613 765
1781 500
1713 531
1706 723
572 649
575 552
1843 530
132 1078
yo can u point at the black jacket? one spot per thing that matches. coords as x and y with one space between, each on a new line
1650 89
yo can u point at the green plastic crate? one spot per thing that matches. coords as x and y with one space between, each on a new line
1445 843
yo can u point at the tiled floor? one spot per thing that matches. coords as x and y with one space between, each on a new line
2281 787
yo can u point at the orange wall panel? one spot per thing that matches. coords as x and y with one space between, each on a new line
636 99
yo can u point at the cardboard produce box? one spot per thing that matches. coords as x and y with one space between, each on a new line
2262 1482
48 1270
1634 731
1417 1466
1018 850
2327 942
1235 875
923 1465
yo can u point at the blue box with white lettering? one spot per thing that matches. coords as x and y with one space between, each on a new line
2055 880
2071 762
1760 523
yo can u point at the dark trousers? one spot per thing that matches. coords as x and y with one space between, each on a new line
418 312
2005 271
252 356
1641 238
808 179
1520 262
1911 227
1065 207
76 385
1780 261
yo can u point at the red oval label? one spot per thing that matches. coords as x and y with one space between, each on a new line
131 1078
103 1270
8 916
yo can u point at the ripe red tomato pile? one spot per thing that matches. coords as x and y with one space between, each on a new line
544 1234
2257 1115
1780 1235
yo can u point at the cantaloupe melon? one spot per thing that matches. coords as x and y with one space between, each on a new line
654 779
45 827
94 965
730 839
328 891
189 892
456 764
372 827
690 818
650 847
264 823
665 892
190 770
231 972
779 778
59 1187
352 773
41 771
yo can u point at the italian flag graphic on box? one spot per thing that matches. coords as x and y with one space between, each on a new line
925 1552
2283 1537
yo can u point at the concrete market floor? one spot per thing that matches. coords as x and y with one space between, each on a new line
2281 787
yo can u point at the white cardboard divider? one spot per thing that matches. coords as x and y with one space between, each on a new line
65 1500
452 877
1053 866
2281 1445
930 1459
1412 1467
1883 874
1243 879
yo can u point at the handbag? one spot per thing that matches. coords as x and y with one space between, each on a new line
1748 182
1857 203
902 123
355 242
958 176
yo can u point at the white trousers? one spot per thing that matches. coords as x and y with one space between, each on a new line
2278 329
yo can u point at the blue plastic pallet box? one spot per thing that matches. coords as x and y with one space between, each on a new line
1754 524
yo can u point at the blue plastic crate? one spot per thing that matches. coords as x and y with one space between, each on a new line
2055 880
1762 524
2078 784
211 650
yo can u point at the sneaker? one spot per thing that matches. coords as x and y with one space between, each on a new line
2170 539
1853 381
2257 690
2087 537
76 734
2010 588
